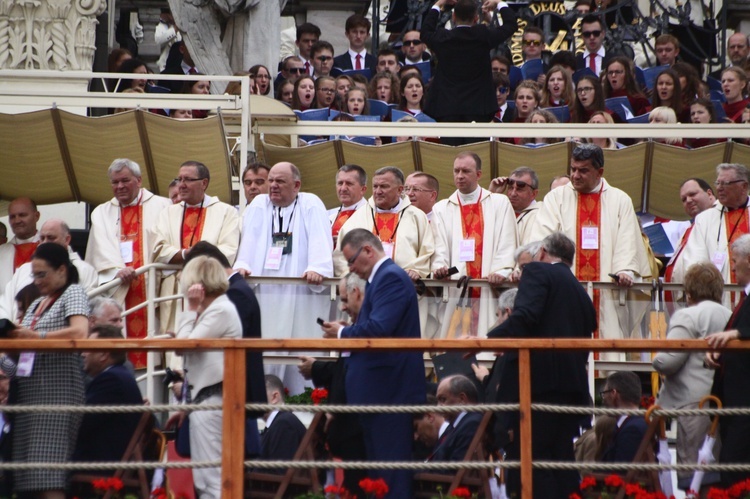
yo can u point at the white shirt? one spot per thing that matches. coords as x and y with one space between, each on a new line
599 59
353 55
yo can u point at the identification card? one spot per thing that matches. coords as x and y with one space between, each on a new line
718 259
273 258
466 251
283 240
590 238
388 249
126 251
25 364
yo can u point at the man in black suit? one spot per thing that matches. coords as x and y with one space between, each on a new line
730 380
344 433
593 33
186 66
623 391
284 431
111 384
462 89
453 444
357 31
550 304
244 300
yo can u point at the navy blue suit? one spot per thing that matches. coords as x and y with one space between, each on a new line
551 303
457 443
389 310
625 442
243 298
97 438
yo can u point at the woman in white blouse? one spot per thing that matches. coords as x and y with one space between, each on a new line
208 314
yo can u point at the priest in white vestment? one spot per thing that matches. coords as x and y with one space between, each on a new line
476 233
521 187
22 218
286 233
602 221
351 185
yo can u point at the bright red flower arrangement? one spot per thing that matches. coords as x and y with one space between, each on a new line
319 395
610 487
374 488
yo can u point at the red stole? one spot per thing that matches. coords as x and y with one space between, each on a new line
735 225
341 219
669 271
23 253
135 322
386 225
588 264
472 227
192 226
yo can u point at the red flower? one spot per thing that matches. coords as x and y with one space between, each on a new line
100 484
647 401
588 482
461 492
376 487
286 391
319 395
715 493
614 481
574 496
114 484
633 489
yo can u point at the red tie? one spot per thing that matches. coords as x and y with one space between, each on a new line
358 60
592 62
736 310
307 67
192 70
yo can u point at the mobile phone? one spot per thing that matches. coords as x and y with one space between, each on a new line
452 271
320 321
615 277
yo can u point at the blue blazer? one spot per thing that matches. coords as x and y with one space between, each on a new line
389 310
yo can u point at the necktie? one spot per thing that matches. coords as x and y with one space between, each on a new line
500 115
736 310
192 70
307 67
592 62
358 62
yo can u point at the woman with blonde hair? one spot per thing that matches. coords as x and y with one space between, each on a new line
602 118
665 115
734 85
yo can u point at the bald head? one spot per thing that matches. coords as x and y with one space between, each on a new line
737 47
55 230
23 217
284 182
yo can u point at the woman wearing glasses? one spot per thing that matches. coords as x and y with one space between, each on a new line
262 78
589 99
618 80
325 93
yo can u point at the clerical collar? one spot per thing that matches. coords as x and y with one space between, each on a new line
742 205
395 209
32 239
204 202
598 188
531 205
354 206
136 200
471 198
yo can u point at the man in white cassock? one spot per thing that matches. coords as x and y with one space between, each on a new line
286 233
521 187
197 217
22 218
475 231
601 220
121 240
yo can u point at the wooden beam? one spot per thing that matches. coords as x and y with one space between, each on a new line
233 426
524 390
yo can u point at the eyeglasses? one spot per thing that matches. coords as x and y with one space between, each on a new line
38 275
408 43
353 259
532 43
725 183
588 34
328 90
584 90
186 180
502 90
518 184
409 189
616 72
606 391
298 71
324 58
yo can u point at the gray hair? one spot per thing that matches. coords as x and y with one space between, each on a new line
585 152
361 173
560 246
739 170
391 169
525 170
357 238
459 384
353 281
531 248
120 163
507 299
741 246
98 303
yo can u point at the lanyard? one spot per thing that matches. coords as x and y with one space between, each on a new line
281 219
375 225
197 224
721 220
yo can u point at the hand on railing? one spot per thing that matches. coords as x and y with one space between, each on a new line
127 275
305 368
312 277
496 279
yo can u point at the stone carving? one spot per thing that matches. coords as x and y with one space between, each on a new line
48 34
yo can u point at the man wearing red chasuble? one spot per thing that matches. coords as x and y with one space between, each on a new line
718 227
476 233
23 217
121 241
351 185
601 220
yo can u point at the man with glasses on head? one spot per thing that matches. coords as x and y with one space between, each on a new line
521 187
197 217
121 240
476 233
716 228
594 56
602 222
351 185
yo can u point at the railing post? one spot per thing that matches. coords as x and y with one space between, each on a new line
524 390
233 426
151 331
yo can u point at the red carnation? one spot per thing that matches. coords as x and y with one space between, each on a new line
588 482
461 492
614 481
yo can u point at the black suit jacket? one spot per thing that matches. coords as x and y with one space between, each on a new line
243 298
551 303
344 428
457 443
626 441
344 61
581 63
462 84
104 437
281 440
730 381
174 86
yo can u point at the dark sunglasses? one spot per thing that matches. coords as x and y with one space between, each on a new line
532 43
588 34
407 43
519 184
503 90
299 71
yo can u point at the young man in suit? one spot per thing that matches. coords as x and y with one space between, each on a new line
594 56
730 380
550 304
389 310
357 32
462 89
623 391
284 431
